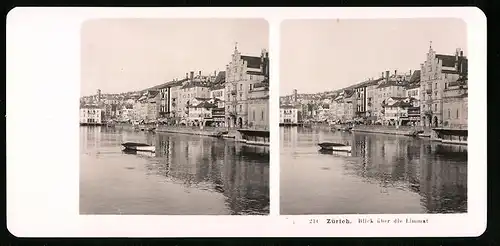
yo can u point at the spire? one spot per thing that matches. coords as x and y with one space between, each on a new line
235 46
430 45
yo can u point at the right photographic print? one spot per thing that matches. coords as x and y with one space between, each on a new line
373 116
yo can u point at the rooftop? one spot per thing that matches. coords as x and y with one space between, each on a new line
205 105
252 61
195 84
390 83
221 78
399 104
415 77
447 60
287 106
412 86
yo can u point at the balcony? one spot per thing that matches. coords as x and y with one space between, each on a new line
428 91
233 92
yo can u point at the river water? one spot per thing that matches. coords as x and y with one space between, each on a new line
188 175
383 174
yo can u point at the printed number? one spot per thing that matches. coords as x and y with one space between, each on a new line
313 221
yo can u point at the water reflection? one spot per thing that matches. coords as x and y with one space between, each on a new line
200 166
412 175
238 171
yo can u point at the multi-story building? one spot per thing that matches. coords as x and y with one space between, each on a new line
288 114
163 100
201 113
174 91
349 106
242 73
195 87
258 106
391 86
140 108
413 90
91 114
371 95
455 104
168 99
397 110
151 106
218 89
126 113
344 106
437 72
360 96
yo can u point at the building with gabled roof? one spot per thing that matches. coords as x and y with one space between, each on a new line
243 73
437 72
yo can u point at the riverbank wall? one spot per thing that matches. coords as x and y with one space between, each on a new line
206 131
392 130
124 126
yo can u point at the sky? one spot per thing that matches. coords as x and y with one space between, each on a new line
121 55
325 55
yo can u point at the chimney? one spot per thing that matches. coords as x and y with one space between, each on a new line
382 75
187 75
199 73
395 73
215 73
191 75
461 53
387 76
410 73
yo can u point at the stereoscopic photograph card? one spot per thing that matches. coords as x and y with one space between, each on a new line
246 122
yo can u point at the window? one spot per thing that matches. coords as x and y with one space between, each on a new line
253 115
241 107
435 85
241 87
251 86
449 113
435 107
457 113
262 117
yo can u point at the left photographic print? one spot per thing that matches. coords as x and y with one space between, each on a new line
174 117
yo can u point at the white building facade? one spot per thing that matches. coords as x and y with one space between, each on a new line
288 115
91 115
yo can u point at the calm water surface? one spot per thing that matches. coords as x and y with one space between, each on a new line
187 175
384 174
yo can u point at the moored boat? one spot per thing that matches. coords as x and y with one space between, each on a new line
335 147
138 146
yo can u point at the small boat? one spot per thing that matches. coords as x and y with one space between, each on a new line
335 147
331 152
139 153
258 143
138 147
414 133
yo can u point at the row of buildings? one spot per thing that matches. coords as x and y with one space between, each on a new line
237 97
434 96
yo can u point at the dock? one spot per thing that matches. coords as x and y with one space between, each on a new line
450 135
254 137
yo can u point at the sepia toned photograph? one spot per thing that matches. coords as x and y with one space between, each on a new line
174 117
373 116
